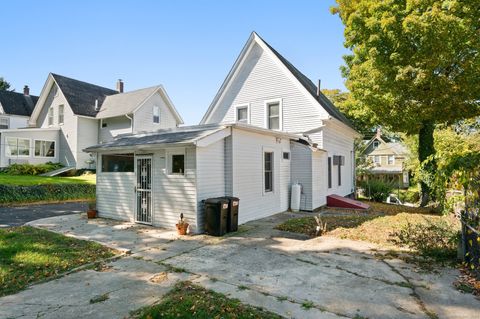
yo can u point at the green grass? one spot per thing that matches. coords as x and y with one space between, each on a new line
187 300
29 255
30 180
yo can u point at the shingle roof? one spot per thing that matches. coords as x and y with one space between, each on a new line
81 96
311 88
17 103
124 103
183 135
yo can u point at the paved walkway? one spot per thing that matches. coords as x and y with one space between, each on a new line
291 275
19 215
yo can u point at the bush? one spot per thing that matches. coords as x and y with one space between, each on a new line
30 169
21 194
377 191
437 240
411 195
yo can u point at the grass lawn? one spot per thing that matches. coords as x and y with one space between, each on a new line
30 180
28 255
187 300
376 226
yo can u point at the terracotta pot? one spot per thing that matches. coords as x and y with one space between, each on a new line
92 213
182 228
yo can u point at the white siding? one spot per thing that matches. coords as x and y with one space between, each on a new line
87 136
301 167
16 121
210 175
261 79
143 117
228 167
285 182
115 195
319 179
115 126
248 184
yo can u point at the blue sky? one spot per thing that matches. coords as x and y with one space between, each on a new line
188 46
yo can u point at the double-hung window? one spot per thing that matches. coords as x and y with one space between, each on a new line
156 114
4 122
274 115
61 110
391 159
17 147
44 148
50 116
242 114
268 171
176 162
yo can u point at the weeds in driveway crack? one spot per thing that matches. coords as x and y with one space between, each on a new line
99 298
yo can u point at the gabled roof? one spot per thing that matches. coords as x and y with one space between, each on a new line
305 82
14 103
81 96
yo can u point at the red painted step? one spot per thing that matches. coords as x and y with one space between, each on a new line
343 202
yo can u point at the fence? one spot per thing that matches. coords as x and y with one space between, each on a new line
470 219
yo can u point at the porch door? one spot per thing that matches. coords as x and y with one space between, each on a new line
143 205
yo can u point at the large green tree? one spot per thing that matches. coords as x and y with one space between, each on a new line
4 85
413 64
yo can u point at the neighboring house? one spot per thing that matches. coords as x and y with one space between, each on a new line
71 115
16 108
269 126
387 161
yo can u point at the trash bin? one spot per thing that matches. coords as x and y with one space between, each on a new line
216 211
232 219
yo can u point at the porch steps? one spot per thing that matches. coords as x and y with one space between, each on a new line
343 202
59 171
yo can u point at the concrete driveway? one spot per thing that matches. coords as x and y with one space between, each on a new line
291 275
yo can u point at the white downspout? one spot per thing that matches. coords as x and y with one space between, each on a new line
131 122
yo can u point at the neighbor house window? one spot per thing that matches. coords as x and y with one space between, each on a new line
376 159
375 144
61 109
329 172
156 114
4 122
242 114
273 115
50 116
268 170
17 147
117 163
391 159
44 148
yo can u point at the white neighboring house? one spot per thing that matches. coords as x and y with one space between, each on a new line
71 115
268 127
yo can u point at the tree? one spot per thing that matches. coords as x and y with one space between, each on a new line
414 64
4 85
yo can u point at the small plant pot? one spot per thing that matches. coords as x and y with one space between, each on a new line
92 213
182 228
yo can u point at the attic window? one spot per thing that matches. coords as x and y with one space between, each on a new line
274 121
61 109
376 144
4 122
50 116
242 114
156 114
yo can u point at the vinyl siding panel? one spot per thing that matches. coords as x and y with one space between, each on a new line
210 176
143 117
319 179
115 126
115 195
87 136
248 183
228 166
261 79
301 168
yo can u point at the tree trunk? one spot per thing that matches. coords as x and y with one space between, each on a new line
426 148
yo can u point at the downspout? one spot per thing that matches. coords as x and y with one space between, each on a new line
131 122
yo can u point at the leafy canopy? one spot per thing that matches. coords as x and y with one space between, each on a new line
412 61
4 85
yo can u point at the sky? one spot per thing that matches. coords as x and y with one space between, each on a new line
187 46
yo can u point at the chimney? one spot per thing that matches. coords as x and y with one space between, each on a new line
26 90
120 86
318 87
379 132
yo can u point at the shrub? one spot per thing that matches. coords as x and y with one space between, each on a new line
409 195
30 169
377 191
18 194
437 240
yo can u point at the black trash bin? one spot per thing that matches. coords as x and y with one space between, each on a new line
232 219
216 214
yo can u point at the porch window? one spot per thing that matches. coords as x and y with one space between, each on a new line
391 159
117 163
242 114
44 148
273 115
17 147
61 109
50 116
268 171
178 164
329 172
156 114
4 123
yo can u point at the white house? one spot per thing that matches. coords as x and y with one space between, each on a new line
268 127
71 115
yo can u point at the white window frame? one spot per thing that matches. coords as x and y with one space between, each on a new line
7 119
50 116
289 155
268 150
242 106
155 107
54 148
169 154
62 114
280 113
17 139
375 159
376 144
393 159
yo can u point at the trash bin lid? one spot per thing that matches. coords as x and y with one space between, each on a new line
216 200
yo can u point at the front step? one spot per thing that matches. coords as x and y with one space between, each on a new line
343 202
